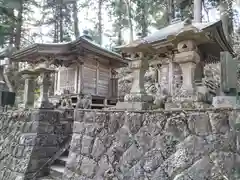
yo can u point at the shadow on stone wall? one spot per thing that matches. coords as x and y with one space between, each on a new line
28 140
108 145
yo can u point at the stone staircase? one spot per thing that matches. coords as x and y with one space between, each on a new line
57 168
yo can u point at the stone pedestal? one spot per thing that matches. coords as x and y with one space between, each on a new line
225 101
139 68
188 69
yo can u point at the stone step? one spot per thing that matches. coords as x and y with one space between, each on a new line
45 178
56 171
64 158
61 161
101 105
65 153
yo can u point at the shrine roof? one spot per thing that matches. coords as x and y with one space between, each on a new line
212 32
173 29
70 49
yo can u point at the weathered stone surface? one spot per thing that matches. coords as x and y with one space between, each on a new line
27 140
88 167
153 145
219 122
98 148
199 124
87 144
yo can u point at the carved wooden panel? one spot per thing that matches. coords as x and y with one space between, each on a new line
103 80
89 80
67 79
113 88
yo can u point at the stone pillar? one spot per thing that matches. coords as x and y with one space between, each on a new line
28 96
187 59
164 76
139 68
29 90
188 69
45 82
170 77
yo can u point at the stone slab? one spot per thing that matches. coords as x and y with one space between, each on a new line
186 105
132 106
225 101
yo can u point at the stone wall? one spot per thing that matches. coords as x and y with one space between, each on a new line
28 140
183 145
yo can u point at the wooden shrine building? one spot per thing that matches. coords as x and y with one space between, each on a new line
82 67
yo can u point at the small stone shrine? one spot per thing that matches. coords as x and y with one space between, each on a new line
7 96
179 52
227 96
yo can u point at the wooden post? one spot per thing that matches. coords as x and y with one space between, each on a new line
76 80
97 78
56 79
170 77
81 81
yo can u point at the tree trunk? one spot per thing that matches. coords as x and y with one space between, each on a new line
129 12
12 33
75 19
171 11
19 27
144 20
13 86
119 26
197 10
61 20
100 30
226 20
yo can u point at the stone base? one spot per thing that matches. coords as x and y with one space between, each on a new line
43 105
132 106
138 97
225 101
186 105
3 86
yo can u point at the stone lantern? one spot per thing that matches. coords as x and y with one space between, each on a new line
137 99
138 93
44 80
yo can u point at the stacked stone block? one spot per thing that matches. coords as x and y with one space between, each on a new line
178 145
28 140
